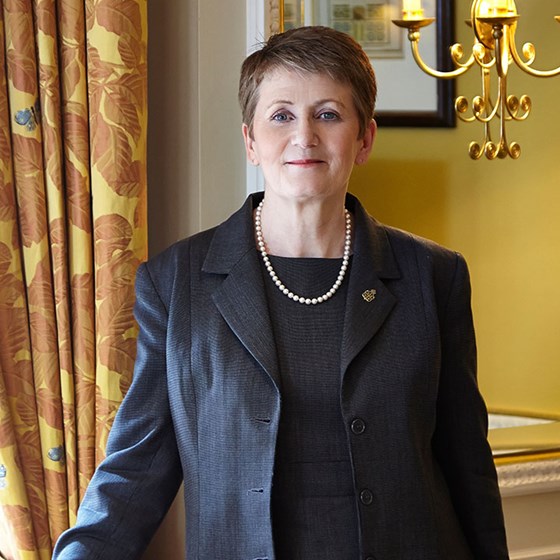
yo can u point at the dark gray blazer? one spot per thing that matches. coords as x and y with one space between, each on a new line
204 406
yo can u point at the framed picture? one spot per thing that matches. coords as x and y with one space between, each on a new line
407 97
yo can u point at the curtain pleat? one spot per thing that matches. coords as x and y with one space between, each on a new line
117 75
79 390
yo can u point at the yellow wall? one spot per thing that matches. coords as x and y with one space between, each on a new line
504 216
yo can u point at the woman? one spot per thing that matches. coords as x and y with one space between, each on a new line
308 372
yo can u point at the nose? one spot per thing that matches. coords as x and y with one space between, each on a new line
305 135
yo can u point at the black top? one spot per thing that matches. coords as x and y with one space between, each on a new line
314 510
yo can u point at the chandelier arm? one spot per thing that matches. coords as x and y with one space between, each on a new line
518 118
437 73
479 109
501 56
483 108
483 56
488 118
466 119
514 105
488 148
486 65
526 67
475 151
456 52
512 150
502 80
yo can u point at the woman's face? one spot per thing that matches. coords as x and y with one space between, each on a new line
305 135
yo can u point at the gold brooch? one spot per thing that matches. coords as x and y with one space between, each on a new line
369 295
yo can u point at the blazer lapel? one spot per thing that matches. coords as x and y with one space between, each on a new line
240 297
369 301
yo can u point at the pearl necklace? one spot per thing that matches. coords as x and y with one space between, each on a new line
287 292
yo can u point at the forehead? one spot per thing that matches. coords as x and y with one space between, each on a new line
290 85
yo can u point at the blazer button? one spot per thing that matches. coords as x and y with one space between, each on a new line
366 497
358 426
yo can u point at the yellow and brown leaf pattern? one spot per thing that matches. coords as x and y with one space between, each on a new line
73 81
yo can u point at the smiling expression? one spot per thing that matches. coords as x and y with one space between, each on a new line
305 135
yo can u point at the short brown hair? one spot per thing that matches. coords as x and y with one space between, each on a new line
315 50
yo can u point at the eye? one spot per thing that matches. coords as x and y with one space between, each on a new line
280 117
328 116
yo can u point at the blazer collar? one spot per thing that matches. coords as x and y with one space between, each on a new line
233 238
241 297
371 242
368 301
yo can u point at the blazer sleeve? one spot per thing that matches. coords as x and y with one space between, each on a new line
134 486
460 439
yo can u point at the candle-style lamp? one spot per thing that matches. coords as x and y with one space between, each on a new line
412 9
494 23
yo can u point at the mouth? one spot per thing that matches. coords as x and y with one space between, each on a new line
308 162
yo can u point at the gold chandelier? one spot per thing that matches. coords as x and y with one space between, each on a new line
494 24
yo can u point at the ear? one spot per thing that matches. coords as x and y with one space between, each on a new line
249 145
367 143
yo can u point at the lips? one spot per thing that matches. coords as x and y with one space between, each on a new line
304 162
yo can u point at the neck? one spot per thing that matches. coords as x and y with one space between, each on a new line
303 229
261 247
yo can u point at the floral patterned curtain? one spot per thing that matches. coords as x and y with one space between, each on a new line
73 118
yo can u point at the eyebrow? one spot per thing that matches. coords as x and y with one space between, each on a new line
319 102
